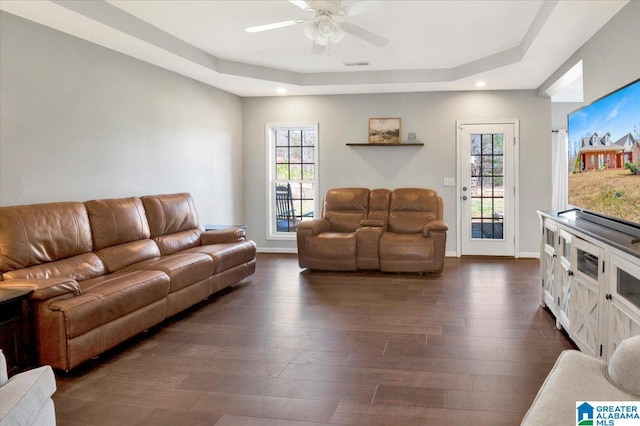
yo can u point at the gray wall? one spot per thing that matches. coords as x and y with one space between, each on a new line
432 115
559 112
80 122
610 58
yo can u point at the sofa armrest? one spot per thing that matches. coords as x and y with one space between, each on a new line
25 394
45 289
376 223
220 236
434 226
313 227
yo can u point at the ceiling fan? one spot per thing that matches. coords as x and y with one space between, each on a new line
328 23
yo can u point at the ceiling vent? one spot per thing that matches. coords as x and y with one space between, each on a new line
358 64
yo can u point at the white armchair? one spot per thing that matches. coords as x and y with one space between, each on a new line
579 377
25 399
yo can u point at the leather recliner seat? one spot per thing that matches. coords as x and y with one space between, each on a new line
379 229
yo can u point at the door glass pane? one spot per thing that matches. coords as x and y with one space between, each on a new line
487 186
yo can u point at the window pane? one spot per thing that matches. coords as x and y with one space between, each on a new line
475 144
498 143
282 171
308 155
295 171
487 166
282 138
308 171
308 137
487 144
475 165
295 155
295 137
282 155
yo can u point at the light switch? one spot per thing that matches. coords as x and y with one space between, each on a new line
449 181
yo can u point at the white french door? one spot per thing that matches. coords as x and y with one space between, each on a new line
486 188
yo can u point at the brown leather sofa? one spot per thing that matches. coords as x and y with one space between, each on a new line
379 229
105 270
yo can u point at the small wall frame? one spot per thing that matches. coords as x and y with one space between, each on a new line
384 130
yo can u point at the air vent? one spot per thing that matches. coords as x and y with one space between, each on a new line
357 64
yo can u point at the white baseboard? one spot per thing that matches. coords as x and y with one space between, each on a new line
290 250
450 254
529 255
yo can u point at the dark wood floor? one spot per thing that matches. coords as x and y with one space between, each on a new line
295 348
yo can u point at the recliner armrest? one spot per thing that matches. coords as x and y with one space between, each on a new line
44 289
220 236
315 226
435 226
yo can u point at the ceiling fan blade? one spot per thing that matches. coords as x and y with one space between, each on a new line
366 35
362 7
273 26
317 48
301 4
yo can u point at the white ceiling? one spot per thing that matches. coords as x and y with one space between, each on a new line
433 45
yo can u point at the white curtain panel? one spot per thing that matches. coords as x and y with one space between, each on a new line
560 178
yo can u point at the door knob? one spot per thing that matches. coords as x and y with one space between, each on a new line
464 197
464 188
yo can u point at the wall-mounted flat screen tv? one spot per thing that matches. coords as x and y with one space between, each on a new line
604 156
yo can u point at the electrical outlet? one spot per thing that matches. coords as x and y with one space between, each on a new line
449 181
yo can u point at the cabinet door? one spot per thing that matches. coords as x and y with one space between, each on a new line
584 309
623 301
563 278
548 267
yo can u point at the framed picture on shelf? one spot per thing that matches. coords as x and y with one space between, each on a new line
384 130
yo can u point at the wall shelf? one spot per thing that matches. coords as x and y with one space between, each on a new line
387 144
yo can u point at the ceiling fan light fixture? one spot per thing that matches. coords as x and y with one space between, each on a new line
311 31
337 34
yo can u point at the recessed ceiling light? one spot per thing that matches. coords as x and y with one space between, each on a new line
481 84
281 90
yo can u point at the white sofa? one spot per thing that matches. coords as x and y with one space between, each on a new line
25 399
579 377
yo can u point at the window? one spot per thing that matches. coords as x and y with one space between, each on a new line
292 176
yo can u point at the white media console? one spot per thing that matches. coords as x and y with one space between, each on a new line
590 277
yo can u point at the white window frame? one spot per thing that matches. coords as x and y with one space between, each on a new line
270 129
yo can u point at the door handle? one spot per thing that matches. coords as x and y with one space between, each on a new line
464 197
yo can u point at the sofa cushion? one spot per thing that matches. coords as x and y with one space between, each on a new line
332 251
170 213
183 269
117 221
379 200
345 208
173 243
39 233
123 255
110 297
227 256
78 268
411 209
406 252
624 366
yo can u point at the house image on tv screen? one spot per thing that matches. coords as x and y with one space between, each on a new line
597 152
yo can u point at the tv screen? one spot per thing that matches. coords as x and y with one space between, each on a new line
604 155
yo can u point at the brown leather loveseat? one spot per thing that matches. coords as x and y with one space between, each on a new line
361 229
105 270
